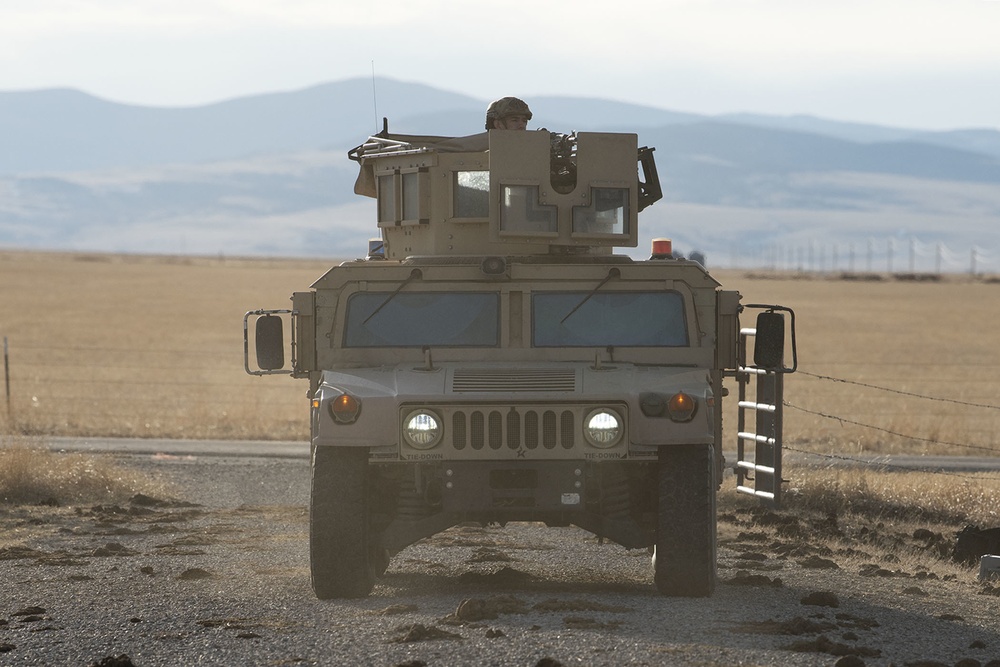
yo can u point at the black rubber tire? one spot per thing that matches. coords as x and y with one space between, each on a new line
685 559
340 555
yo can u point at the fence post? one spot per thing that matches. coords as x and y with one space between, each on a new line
6 376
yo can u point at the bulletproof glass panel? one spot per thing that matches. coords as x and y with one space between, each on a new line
472 194
418 319
411 196
520 211
386 199
607 213
619 319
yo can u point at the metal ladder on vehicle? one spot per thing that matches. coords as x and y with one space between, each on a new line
761 475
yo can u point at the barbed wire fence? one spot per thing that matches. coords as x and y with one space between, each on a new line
893 256
145 392
139 392
983 450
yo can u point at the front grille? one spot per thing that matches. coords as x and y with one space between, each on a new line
513 380
512 428
504 432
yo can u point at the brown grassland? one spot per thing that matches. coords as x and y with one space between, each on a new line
31 474
139 346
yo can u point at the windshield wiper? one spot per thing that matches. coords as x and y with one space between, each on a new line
414 275
613 273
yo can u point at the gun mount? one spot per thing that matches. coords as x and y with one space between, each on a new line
506 193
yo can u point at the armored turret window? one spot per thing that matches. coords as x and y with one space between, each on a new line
402 197
607 213
411 197
386 199
521 212
618 319
472 194
418 319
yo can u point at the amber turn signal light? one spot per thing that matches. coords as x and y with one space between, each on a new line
681 407
345 409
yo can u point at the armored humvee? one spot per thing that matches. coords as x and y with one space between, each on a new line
492 360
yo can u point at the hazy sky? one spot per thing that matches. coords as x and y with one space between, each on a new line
931 64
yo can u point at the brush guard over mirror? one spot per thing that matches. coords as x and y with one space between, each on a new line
269 342
761 475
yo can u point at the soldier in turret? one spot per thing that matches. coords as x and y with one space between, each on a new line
507 113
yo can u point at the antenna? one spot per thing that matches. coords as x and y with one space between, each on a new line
374 98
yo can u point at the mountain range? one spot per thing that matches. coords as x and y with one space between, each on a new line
268 174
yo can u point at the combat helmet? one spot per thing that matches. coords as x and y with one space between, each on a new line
506 106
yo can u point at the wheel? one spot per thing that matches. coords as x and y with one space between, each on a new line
685 555
341 561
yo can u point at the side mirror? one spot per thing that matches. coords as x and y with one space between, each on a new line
769 342
270 339
649 189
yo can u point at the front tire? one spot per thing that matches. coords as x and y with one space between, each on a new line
340 553
685 557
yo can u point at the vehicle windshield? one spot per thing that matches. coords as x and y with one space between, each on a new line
418 319
619 319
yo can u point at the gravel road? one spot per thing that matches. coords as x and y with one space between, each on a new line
217 574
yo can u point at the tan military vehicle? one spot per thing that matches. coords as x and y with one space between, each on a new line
492 360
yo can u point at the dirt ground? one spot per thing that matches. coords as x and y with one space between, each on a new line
218 573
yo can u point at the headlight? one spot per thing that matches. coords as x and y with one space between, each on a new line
602 428
422 429
681 407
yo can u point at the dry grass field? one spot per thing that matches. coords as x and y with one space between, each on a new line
31 474
906 358
103 345
144 346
